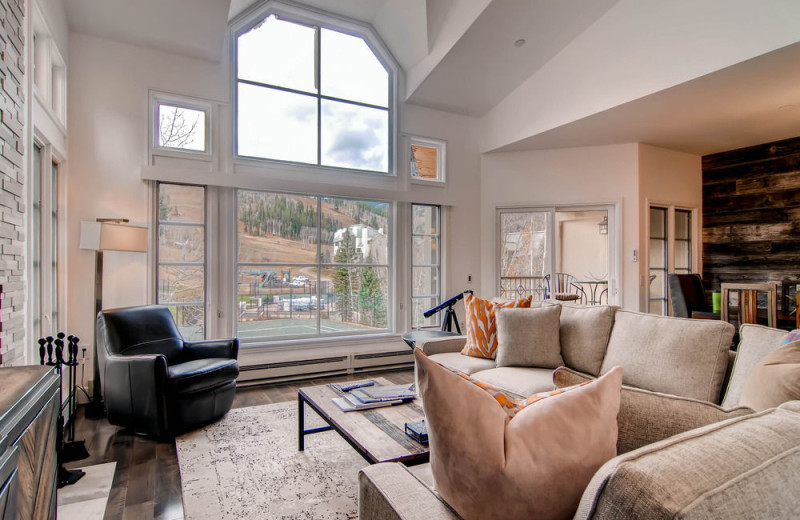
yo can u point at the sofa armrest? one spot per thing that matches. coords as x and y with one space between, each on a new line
388 491
441 345
145 409
215 348
646 417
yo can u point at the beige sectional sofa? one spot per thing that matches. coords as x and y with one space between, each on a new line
680 454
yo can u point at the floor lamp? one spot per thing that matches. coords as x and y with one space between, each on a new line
107 234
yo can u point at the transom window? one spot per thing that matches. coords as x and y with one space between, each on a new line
313 95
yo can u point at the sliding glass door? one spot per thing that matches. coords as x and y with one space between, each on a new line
559 252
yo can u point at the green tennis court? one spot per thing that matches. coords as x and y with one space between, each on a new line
286 327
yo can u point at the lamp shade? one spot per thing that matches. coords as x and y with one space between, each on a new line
109 236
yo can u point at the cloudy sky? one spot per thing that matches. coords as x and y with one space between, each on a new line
282 125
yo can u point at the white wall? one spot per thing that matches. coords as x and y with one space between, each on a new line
108 104
591 175
671 178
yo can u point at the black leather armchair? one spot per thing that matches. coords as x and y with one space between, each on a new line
154 382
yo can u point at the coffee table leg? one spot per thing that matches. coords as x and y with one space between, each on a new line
301 427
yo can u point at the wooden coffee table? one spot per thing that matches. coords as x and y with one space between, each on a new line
378 434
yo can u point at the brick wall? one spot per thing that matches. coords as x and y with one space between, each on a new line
12 181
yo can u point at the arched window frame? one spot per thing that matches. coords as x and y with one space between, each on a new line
314 17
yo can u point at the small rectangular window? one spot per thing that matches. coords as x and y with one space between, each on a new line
427 158
181 128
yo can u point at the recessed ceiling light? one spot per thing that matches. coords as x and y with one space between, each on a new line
519 43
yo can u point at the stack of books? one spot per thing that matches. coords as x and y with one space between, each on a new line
373 396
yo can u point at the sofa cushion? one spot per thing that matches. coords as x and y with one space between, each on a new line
744 467
774 380
756 341
529 337
522 381
670 355
201 374
584 336
536 465
646 417
461 363
481 327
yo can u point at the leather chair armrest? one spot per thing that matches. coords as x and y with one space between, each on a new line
215 348
134 392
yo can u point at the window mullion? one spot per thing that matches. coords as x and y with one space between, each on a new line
318 85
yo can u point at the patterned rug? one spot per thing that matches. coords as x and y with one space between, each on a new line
247 466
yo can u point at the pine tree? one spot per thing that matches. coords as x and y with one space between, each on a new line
344 277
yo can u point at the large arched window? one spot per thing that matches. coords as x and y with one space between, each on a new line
312 91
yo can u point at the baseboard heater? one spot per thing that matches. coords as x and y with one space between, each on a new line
322 367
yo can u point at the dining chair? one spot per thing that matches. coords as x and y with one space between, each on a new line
748 301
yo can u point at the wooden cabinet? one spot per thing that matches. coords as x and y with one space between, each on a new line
29 403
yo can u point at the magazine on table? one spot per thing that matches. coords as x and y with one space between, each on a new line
387 392
349 403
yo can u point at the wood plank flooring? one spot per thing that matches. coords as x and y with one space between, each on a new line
147 483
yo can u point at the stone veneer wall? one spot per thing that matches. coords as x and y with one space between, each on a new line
12 182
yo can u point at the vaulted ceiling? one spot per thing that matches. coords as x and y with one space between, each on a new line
481 57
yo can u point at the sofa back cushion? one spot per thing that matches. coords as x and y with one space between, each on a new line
756 341
740 468
675 356
585 332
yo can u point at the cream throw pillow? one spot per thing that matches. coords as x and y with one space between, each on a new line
536 465
529 337
774 380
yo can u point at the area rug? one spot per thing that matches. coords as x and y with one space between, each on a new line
247 466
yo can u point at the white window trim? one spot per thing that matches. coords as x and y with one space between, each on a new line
313 17
49 57
154 151
441 160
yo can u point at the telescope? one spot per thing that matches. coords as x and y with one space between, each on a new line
449 314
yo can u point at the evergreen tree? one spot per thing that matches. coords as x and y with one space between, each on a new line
370 298
344 278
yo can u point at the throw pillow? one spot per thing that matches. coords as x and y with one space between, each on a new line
774 380
792 336
488 466
529 337
481 328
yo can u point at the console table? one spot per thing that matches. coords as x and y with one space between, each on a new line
29 403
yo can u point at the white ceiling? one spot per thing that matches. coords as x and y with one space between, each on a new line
753 102
194 28
485 66
731 108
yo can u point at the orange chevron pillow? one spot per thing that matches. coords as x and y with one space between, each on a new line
481 324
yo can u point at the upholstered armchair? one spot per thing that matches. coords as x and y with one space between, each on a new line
156 383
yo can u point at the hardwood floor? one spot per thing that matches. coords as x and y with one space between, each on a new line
147 483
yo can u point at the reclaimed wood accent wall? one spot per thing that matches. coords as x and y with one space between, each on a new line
751 214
